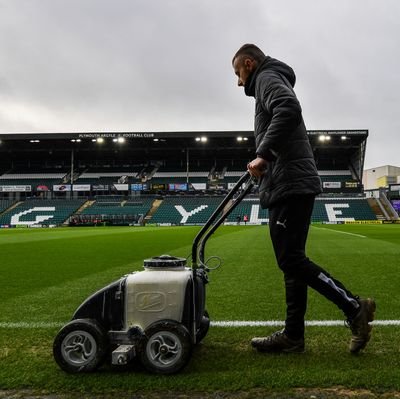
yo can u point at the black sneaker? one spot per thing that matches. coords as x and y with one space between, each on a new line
278 342
360 327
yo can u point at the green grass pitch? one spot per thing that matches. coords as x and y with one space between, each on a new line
46 273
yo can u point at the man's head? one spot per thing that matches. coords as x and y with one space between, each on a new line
245 61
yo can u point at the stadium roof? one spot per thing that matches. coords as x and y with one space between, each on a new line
333 149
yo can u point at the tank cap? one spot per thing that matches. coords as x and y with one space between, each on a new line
166 261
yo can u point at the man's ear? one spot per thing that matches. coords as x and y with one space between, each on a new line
248 62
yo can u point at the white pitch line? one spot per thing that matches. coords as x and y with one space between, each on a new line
280 323
222 323
340 232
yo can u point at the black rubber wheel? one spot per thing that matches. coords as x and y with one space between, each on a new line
203 328
166 347
80 346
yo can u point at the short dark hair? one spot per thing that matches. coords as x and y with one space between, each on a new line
251 51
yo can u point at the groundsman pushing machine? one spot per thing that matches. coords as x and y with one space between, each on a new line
154 316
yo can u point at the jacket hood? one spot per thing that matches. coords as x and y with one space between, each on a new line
270 64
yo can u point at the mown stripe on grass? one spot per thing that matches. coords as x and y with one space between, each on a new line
339 231
34 325
222 323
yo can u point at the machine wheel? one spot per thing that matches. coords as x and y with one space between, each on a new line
167 347
80 346
203 328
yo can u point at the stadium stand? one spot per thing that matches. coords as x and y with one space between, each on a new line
109 175
161 164
179 177
5 204
185 210
40 212
41 181
174 176
114 210
231 176
114 200
192 211
249 207
341 210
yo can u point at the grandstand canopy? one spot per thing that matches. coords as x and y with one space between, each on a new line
333 149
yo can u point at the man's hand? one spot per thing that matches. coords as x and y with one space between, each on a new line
257 167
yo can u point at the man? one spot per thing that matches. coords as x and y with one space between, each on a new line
288 184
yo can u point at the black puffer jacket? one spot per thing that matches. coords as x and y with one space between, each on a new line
280 134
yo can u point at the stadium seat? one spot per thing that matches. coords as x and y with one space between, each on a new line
342 209
185 210
40 212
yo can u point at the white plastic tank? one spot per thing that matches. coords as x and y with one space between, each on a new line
158 292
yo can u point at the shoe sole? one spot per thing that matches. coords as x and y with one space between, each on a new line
371 308
294 349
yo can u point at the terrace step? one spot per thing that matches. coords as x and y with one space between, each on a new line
11 207
84 206
152 210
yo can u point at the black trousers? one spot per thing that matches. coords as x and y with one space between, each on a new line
289 223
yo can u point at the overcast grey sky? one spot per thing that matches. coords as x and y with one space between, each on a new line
143 65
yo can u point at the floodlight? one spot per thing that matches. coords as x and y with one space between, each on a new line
155 139
100 140
324 137
115 140
344 138
198 139
121 140
203 139
239 138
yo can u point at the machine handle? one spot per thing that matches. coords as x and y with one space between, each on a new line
208 229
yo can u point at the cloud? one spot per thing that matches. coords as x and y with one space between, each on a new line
143 65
